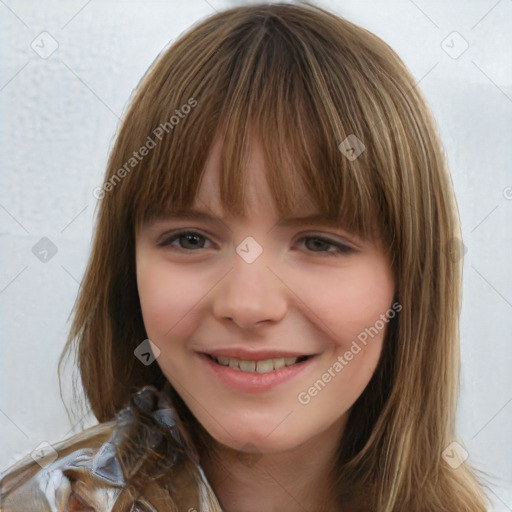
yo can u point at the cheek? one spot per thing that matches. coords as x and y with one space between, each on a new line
349 301
168 298
349 310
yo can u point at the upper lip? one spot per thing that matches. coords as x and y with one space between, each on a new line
254 355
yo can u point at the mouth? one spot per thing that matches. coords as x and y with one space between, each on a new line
257 372
260 366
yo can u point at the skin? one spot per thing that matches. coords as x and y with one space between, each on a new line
198 294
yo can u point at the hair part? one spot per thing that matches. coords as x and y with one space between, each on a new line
300 80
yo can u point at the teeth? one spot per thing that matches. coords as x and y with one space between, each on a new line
247 366
279 362
223 360
263 366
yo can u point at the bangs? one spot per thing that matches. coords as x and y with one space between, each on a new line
277 81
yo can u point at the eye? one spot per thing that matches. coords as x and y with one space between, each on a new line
326 246
185 240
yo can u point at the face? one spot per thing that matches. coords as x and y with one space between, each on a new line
269 329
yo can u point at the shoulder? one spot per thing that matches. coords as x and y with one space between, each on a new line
139 459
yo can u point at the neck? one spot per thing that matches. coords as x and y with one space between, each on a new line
292 481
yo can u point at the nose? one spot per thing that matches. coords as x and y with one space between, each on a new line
250 295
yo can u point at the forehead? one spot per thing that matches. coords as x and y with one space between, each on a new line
255 173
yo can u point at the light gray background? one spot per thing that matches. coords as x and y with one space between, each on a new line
60 113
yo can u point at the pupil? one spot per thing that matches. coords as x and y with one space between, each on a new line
317 244
192 240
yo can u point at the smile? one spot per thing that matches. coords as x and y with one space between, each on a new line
256 375
259 366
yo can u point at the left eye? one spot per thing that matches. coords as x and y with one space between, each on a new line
188 240
326 246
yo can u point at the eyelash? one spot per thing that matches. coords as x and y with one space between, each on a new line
341 249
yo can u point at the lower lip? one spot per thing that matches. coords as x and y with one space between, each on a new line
254 381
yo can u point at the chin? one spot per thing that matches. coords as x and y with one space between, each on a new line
257 437
257 446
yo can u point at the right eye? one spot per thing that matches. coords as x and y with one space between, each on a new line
185 241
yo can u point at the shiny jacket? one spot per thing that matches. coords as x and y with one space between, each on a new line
141 461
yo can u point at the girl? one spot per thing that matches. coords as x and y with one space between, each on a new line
269 318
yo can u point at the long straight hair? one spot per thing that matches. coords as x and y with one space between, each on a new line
304 81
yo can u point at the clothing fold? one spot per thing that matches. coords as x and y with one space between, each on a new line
141 461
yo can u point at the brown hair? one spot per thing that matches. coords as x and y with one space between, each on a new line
303 80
